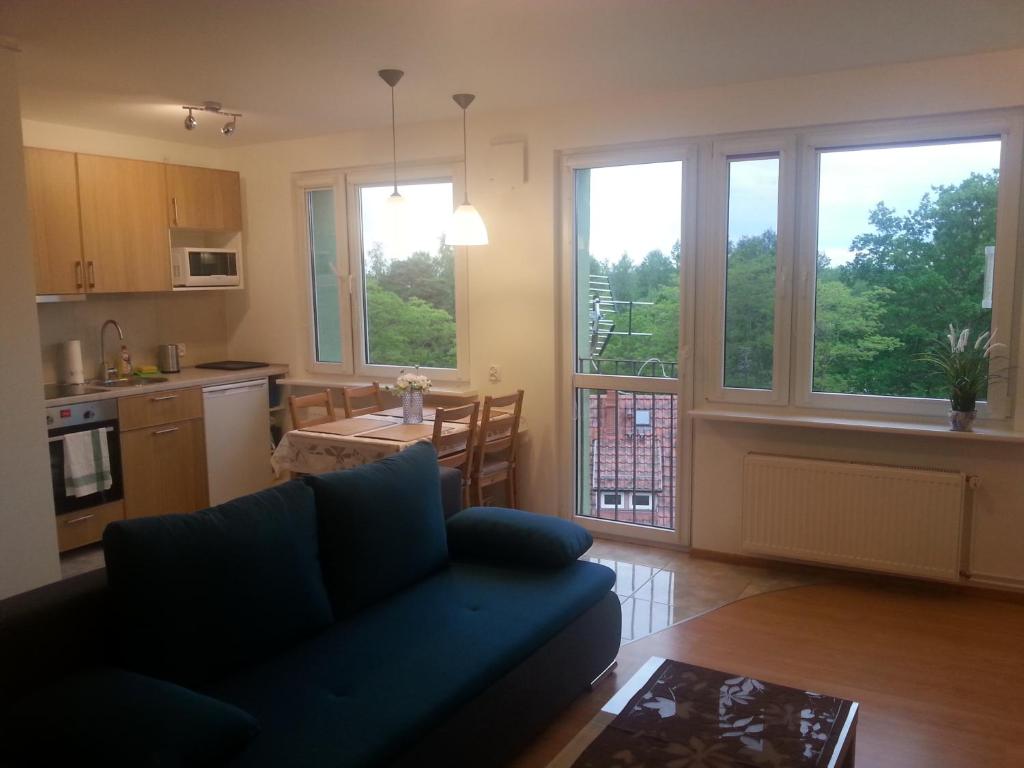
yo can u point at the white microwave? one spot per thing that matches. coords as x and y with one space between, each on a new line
205 267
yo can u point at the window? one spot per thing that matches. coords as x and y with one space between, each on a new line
750 247
323 255
904 230
642 418
901 239
386 292
642 501
408 278
749 253
611 500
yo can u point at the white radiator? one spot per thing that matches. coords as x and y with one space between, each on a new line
891 519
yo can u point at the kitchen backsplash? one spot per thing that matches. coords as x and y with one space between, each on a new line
196 319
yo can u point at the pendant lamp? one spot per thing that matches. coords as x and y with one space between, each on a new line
395 202
465 227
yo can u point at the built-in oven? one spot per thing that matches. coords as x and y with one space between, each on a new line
63 420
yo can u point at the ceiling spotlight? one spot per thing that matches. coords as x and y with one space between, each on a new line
214 107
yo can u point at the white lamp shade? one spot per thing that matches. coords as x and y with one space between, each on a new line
466 227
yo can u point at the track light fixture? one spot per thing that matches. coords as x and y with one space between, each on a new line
213 107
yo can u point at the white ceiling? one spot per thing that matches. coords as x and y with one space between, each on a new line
307 67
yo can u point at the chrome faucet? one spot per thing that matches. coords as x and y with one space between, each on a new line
108 372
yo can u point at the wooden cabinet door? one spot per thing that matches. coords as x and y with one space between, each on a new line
164 469
52 182
204 198
125 242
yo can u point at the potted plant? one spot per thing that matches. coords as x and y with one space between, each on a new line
966 367
410 387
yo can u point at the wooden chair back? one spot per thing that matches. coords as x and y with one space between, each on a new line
456 449
351 394
297 404
499 428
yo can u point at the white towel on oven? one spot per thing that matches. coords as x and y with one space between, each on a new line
86 463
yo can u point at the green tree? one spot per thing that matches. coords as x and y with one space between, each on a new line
408 332
750 312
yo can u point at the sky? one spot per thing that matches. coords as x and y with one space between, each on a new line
635 209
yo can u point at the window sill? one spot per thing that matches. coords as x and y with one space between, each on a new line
335 382
882 426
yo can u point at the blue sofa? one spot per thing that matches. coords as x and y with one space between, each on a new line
345 619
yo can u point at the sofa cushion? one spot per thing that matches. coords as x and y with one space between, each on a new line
366 689
515 537
381 527
114 717
197 596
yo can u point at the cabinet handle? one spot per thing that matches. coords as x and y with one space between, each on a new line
81 519
174 206
165 431
159 398
79 278
92 273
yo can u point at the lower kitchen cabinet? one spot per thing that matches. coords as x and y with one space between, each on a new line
76 529
164 469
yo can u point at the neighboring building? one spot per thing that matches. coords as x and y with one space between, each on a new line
633 439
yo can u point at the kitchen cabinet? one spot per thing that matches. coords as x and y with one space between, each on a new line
52 182
163 453
77 529
125 246
203 198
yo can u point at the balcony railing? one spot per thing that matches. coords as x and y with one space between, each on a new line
652 368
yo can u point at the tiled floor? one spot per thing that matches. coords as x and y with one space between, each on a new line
661 587
81 560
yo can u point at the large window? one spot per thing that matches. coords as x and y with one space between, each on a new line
408 276
386 292
837 258
902 233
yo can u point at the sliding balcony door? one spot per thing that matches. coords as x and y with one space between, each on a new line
628 251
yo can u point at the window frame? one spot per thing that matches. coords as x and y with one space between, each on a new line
716 234
908 132
346 184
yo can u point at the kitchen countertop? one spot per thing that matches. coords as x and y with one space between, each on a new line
189 377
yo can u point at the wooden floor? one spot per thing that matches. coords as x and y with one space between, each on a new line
939 675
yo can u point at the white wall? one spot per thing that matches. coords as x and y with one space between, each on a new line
28 536
514 290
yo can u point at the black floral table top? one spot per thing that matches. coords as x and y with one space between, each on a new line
692 717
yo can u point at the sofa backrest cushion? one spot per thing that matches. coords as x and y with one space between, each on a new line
198 596
381 527
113 717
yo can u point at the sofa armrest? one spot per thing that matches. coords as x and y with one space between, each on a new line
52 631
514 537
451 491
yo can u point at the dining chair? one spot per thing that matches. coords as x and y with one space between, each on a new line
497 437
351 394
456 448
297 404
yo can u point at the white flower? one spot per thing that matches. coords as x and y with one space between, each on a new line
961 343
980 340
411 382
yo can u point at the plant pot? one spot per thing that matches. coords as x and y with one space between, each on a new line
412 407
962 421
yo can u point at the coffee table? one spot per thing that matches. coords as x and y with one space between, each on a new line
671 713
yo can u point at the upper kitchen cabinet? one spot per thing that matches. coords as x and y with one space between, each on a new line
203 198
52 182
123 207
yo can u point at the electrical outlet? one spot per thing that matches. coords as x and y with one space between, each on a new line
181 349
494 373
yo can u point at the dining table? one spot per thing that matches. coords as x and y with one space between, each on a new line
348 443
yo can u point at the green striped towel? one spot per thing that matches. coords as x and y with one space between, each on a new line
86 463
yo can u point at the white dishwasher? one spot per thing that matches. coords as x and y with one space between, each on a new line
237 439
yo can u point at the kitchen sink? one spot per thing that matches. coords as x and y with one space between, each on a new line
132 381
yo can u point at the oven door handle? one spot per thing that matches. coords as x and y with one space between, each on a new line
58 438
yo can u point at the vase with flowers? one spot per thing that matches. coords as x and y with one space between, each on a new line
410 388
966 366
